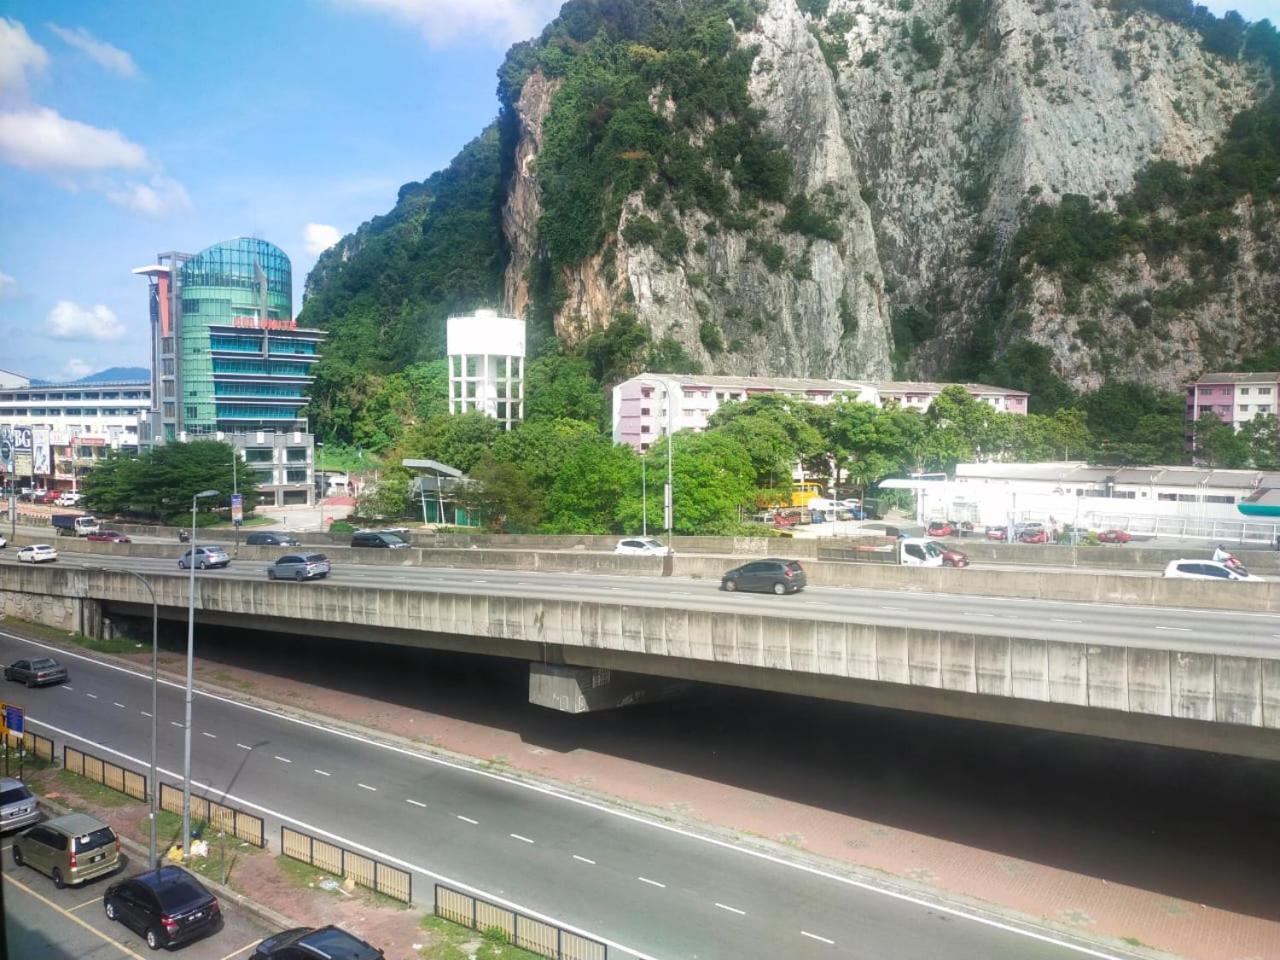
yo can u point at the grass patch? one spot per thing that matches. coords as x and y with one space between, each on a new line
227 679
224 851
451 937
118 645
307 877
75 787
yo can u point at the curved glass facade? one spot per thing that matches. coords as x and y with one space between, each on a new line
247 283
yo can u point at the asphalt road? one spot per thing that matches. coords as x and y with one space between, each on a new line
1206 631
651 890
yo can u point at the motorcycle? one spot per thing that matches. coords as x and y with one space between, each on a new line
184 536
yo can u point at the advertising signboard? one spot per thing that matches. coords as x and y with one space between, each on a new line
237 509
40 459
6 448
22 444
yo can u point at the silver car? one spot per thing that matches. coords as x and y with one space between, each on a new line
205 557
299 566
17 805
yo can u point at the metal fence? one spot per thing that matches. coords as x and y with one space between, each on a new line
105 772
374 874
33 745
536 936
219 816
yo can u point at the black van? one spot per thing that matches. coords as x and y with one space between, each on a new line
381 539
267 539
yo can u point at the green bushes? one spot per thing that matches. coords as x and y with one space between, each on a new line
925 46
773 255
802 217
710 337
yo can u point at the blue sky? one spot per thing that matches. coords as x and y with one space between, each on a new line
126 130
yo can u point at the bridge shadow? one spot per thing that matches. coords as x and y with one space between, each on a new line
1195 827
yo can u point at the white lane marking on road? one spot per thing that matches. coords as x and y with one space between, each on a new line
725 906
584 860
479 581
652 883
1175 629
174 723
66 686
567 798
971 613
92 696
206 733
365 786
894 609
814 936
1060 620
516 836
244 746
283 759
467 819
416 803
321 772
118 704
144 713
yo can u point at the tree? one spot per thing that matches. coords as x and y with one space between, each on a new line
1261 436
1135 423
587 490
713 479
540 448
391 497
161 482
502 496
459 441
562 388
1219 444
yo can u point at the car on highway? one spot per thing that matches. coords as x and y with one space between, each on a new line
69 850
37 672
998 533
18 806
951 557
641 547
168 906
1205 570
108 536
766 576
942 528
270 539
207 556
299 566
37 553
1114 536
379 539
317 942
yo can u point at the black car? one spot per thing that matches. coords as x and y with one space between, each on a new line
271 540
378 538
766 576
167 906
37 672
322 943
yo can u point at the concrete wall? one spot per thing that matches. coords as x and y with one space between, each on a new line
1201 701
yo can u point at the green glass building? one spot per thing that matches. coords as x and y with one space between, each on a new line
229 362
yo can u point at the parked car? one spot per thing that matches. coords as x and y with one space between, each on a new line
108 536
299 566
208 556
998 533
67 499
1114 536
381 539
47 497
321 942
950 556
168 906
69 849
268 539
37 553
942 528
1034 535
3 542
1205 570
641 546
766 576
18 806
37 672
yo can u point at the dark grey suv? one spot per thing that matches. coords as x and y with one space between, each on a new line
766 576
379 539
304 943
266 539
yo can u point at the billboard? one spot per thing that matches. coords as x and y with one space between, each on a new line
22 444
6 448
41 462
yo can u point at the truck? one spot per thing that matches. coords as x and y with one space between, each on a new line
74 525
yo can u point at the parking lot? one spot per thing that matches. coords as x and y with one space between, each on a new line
69 924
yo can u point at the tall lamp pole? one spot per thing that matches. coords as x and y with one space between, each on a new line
191 645
669 507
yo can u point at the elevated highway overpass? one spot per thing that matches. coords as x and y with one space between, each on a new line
1192 678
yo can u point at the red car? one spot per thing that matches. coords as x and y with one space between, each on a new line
44 496
108 536
951 557
1114 536
942 528
997 533
1034 535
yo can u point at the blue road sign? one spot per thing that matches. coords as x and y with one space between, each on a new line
13 718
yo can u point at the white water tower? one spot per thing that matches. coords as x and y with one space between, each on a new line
486 366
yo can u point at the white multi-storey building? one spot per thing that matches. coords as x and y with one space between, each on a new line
647 406
486 366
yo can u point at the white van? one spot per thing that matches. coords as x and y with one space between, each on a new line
919 552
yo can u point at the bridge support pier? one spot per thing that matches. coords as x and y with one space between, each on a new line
588 689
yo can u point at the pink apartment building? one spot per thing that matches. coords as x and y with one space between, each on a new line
645 406
1234 398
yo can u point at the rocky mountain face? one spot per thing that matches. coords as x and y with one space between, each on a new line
858 187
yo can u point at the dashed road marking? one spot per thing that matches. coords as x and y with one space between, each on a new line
1175 629
416 803
814 936
365 786
516 836
206 733
67 687
283 759
175 723
584 860
118 704
1060 620
144 713
467 819
323 773
92 696
244 746
725 906
652 883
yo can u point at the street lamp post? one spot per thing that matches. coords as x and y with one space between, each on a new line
191 644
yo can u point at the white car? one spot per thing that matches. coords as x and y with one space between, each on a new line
1205 570
3 542
68 499
641 547
37 553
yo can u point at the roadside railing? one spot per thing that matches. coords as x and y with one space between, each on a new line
528 933
219 816
109 774
373 874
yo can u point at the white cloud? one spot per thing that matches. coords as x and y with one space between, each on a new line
161 195
18 54
99 51
495 22
44 140
75 369
7 284
319 237
70 321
